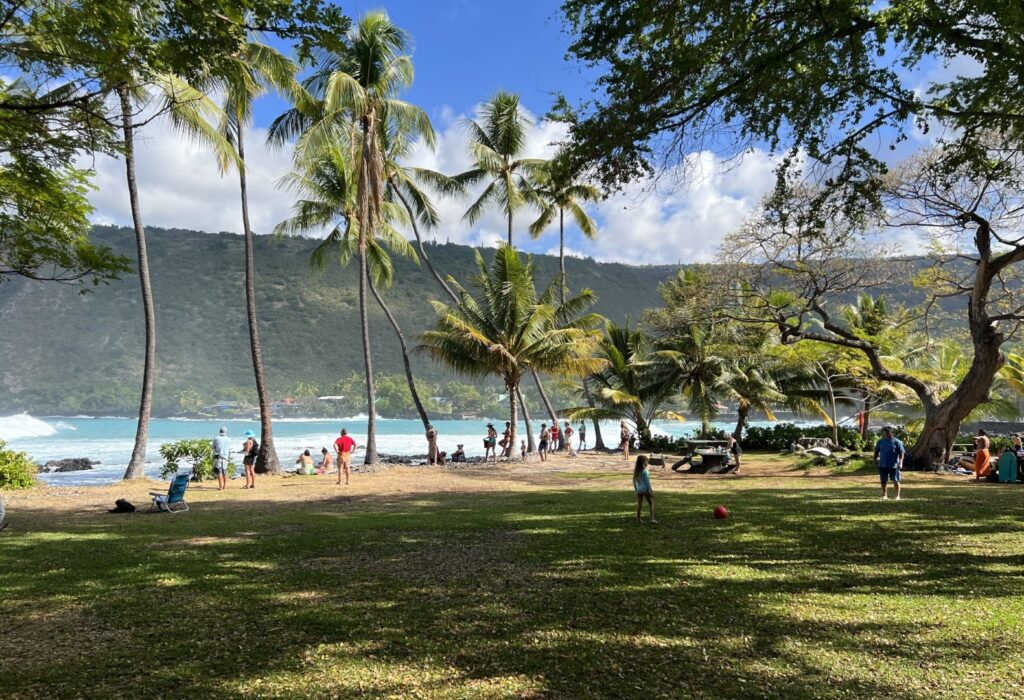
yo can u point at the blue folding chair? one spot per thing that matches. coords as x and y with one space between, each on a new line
174 500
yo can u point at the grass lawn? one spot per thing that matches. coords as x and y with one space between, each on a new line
812 589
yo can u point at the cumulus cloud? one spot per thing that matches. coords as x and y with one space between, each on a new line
180 186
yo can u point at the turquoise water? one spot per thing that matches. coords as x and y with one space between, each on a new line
110 440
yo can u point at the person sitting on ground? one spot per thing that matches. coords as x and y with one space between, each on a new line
459 455
1007 466
981 465
326 461
1018 445
442 459
305 462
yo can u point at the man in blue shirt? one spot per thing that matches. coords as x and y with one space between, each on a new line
221 452
889 454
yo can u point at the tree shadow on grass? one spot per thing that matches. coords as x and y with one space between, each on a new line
554 593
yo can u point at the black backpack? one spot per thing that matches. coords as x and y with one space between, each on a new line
122 506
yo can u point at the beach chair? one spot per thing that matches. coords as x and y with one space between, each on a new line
175 496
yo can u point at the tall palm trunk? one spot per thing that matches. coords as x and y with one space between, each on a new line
561 250
266 459
419 243
531 446
510 228
550 409
513 395
367 214
598 440
137 465
405 355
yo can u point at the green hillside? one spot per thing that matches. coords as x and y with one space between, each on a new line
64 352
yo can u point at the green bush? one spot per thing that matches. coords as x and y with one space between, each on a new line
16 470
781 435
198 454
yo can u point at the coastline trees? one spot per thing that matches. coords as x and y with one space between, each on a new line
500 327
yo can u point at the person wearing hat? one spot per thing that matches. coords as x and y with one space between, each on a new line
889 454
221 453
250 449
459 455
491 443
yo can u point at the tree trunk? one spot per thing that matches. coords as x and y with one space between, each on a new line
405 355
598 440
419 243
367 212
137 465
513 395
643 430
561 250
741 419
266 459
510 228
531 446
942 419
544 397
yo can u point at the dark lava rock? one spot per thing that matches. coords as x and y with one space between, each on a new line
75 464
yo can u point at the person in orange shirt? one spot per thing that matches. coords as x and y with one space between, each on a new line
982 462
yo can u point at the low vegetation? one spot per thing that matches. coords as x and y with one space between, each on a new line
812 589
17 471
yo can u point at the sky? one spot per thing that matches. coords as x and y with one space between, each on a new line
463 51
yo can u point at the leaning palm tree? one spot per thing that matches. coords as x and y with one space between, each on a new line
557 194
348 95
255 69
502 328
327 191
190 111
496 147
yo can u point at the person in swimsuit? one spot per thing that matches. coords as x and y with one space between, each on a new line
583 436
624 435
305 462
491 443
250 449
642 487
432 455
344 446
542 447
507 440
326 461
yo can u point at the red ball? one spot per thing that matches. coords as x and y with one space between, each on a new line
720 513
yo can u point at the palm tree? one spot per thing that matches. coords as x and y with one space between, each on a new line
349 94
192 112
634 383
496 147
327 189
504 329
762 383
557 194
701 374
256 68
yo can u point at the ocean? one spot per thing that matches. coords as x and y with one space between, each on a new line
109 440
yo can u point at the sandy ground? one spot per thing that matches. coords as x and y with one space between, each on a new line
591 470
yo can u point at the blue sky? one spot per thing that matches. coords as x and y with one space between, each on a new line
464 51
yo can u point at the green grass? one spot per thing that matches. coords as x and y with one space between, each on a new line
813 590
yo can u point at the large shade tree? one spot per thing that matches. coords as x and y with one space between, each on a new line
502 328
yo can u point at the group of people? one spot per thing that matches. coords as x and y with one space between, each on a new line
1005 469
344 446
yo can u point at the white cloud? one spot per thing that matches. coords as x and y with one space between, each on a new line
180 186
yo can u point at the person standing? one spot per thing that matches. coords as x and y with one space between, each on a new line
553 445
889 454
250 449
221 453
624 435
583 436
735 450
542 446
431 444
344 446
491 443
567 433
506 441
642 487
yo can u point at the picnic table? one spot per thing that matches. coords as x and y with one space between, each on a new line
713 457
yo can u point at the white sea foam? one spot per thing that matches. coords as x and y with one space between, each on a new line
23 425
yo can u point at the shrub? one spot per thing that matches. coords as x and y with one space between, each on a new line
781 435
198 454
16 470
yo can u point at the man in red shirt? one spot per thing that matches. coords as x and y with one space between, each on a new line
344 446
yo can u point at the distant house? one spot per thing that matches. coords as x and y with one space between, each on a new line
330 398
224 406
